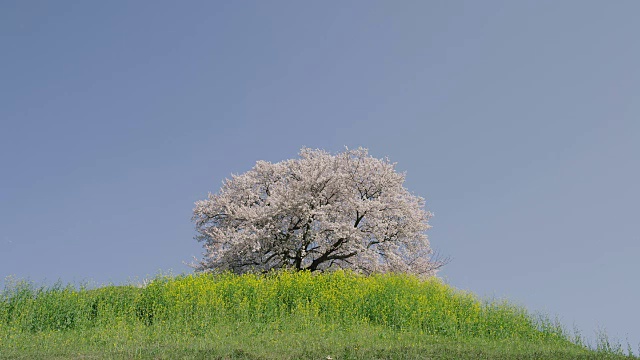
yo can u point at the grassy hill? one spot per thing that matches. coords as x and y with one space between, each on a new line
283 315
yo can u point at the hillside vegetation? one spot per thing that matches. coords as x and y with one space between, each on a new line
282 315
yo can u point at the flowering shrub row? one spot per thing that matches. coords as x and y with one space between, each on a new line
280 299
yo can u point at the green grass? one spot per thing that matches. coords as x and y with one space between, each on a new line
282 315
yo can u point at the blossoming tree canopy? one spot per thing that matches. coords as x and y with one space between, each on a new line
318 212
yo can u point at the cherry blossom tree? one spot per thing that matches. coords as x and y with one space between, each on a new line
319 212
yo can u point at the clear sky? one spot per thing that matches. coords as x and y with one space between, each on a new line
518 121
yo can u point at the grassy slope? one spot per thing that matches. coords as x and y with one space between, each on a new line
280 316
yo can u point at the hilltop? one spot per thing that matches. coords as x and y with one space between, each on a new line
281 315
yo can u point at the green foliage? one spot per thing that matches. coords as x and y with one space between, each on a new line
187 310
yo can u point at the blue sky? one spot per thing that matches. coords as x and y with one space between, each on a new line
517 121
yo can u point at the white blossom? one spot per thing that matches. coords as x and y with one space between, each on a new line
318 212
